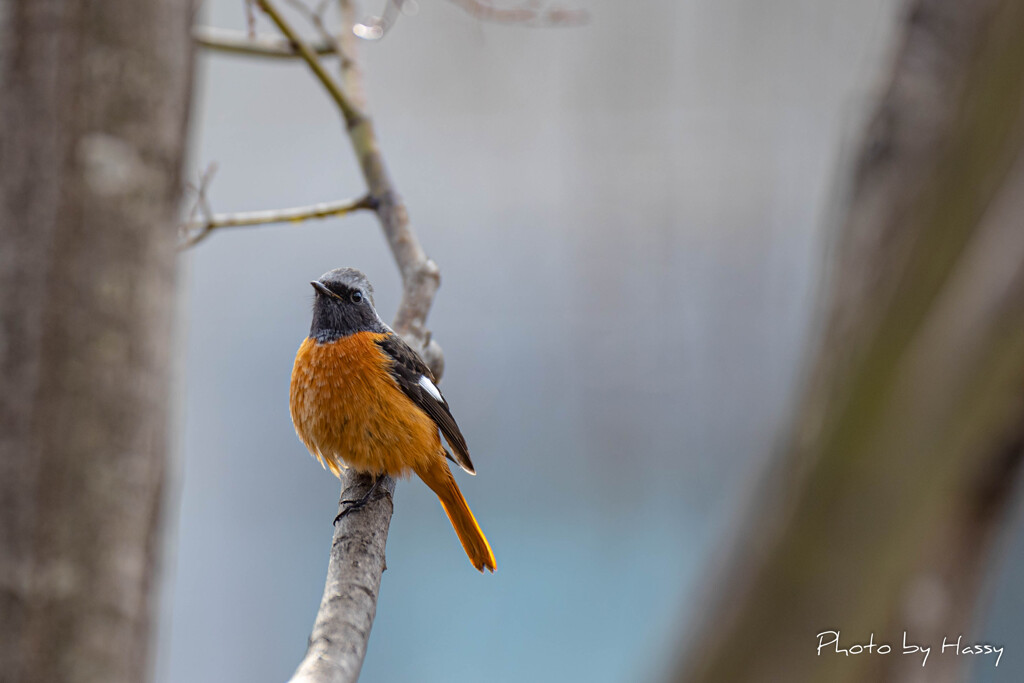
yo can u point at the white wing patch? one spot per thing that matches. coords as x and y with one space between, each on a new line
429 386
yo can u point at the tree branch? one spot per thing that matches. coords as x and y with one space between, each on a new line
198 230
337 644
315 17
240 43
342 627
351 72
420 276
525 14
529 14
348 111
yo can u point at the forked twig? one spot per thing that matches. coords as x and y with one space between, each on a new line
198 230
255 45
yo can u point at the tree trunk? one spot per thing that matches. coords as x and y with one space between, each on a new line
93 108
894 480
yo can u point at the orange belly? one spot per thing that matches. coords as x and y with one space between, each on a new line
349 411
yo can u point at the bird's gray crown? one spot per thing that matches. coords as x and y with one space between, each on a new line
352 278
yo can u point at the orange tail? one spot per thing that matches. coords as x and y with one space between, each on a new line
440 480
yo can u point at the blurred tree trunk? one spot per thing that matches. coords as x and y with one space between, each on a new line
880 514
93 106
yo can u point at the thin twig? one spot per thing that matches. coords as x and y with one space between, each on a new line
239 43
351 72
201 203
420 276
524 14
351 114
377 27
198 230
250 19
529 14
316 19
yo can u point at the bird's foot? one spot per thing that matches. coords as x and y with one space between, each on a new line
349 506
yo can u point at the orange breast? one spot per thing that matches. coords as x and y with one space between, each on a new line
349 411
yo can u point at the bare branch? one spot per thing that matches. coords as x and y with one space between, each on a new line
351 114
529 14
337 644
316 19
420 276
351 73
198 230
376 28
239 43
250 18
338 641
342 628
523 14
202 203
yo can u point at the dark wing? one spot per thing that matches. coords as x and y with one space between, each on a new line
416 380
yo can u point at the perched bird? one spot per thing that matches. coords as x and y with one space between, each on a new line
362 398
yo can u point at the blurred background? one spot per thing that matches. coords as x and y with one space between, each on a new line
630 220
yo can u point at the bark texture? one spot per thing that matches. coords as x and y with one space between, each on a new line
337 644
93 112
880 512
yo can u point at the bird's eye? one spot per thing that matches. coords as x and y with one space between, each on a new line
356 297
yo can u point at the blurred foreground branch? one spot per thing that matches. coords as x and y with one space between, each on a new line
881 512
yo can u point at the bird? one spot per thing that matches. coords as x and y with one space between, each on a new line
362 398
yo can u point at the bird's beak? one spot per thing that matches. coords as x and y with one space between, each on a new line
320 287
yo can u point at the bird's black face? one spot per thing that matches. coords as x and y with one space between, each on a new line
343 306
